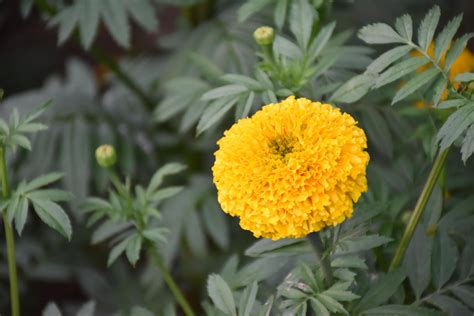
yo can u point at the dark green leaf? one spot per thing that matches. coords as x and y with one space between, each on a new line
381 290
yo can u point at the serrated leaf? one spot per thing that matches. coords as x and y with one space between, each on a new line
449 305
381 290
349 262
445 256
465 293
214 112
388 58
445 37
166 170
42 181
341 296
319 307
455 50
133 249
415 83
165 193
88 21
354 89
143 13
379 33
220 294
467 148
245 106
399 70
54 216
54 195
22 141
428 27
224 91
115 19
249 8
320 41
281 9
465 77
331 304
455 125
361 243
453 103
21 215
156 234
418 260
404 26
438 89
247 300
401 310
282 46
301 19
117 250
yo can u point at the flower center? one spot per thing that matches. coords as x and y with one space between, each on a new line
282 146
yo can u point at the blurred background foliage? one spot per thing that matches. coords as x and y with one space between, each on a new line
174 52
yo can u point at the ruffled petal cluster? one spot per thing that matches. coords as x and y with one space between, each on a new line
293 168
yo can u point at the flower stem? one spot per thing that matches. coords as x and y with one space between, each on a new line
170 282
10 240
418 211
316 243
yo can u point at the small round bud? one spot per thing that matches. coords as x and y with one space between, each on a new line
264 35
105 156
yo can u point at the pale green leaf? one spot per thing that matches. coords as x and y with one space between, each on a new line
220 294
404 26
443 41
415 83
249 8
455 50
354 89
399 70
467 148
428 27
214 112
379 33
455 125
388 58
157 179
54 216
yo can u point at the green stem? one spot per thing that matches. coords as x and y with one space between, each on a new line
12 274
103 58
418 211
316 243
170 282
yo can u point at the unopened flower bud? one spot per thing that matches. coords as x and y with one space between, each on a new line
105 156
264 35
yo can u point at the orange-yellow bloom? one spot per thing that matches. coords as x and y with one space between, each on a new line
293 168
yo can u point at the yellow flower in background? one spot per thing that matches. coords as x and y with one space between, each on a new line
464 63
293 168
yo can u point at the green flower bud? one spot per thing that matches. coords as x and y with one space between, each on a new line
264 35
105 156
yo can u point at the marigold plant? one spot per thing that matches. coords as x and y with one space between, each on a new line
293 168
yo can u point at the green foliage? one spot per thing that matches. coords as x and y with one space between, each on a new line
131 218
44 200
86 15
13 133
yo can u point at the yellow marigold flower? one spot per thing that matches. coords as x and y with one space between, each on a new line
464 63
293 168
